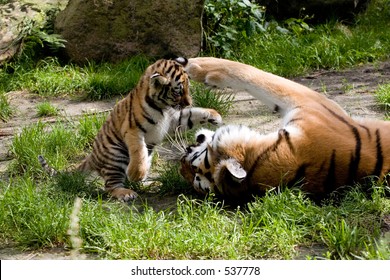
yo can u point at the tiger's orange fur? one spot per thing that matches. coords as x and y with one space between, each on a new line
318 145
155 107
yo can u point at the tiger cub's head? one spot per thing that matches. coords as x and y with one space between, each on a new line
168 83
211 166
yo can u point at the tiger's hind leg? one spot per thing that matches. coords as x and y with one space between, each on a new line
115 184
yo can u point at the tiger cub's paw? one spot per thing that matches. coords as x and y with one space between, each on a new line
123 194
214 117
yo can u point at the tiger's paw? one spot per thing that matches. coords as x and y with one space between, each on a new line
214 117
123 194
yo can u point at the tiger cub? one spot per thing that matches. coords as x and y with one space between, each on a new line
155 107
318 147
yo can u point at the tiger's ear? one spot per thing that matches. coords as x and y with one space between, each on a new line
182 60
232 170
204 135
157 80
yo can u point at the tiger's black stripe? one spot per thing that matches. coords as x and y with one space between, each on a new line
299 173
177 78
209 176
286 136
147 116
180 117
107 161
379 155
170 69
162 96
108 155
293 121
139 125
150 148
330 179
367 130
190 124
206 160
131 110
355 159
196 155
117 143
264 155
153 105
149 119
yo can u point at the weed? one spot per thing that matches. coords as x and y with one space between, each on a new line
229 22
46 109
49 78
30 223
383 95
331 45
5 107
170 180
57 143
204 97
346 86
89 126
107 80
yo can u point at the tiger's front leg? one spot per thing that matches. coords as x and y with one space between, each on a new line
138 167
187 118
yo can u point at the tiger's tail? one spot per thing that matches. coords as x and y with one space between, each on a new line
46 167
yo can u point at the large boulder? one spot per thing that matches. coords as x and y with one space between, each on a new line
320 9
114 30
21 19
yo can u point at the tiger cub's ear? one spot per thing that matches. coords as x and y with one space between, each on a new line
182 60
157 80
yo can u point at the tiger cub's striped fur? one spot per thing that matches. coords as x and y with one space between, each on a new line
123 146
318 146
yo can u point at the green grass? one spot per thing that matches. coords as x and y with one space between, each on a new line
272 227
46 109
49 78
383 95
329 46
276 226
60 143
5 107
35 209
208 98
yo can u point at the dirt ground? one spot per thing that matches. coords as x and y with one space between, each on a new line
352 89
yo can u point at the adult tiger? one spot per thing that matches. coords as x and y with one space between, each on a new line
319 146
124 145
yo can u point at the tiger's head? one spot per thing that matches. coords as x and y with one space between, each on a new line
168 83
210 166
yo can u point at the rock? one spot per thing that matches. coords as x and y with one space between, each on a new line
13 16
114 30
18 19
321 9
